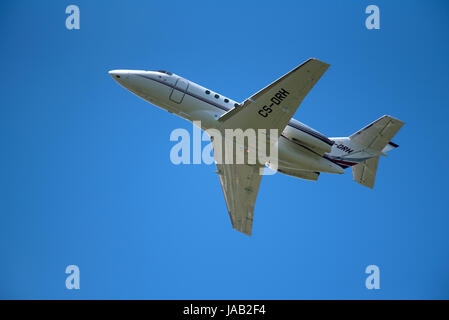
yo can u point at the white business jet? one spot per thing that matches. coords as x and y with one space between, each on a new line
302 151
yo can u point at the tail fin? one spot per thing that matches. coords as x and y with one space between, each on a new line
374 140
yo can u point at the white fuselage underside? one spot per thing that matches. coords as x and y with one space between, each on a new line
196 103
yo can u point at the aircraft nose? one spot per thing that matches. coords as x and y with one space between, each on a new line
119 74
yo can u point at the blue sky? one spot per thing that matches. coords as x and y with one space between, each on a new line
86 178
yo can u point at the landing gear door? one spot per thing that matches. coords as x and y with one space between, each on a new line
179 91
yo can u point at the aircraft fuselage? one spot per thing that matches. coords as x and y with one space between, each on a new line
297 145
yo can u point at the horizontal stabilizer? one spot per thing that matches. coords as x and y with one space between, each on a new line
371 142
365 172
377 135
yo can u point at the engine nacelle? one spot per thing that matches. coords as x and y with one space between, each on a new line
308 137
306 175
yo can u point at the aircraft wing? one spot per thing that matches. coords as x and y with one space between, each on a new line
240 184
270 108
274 106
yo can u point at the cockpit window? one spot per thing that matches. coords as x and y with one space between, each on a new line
166 72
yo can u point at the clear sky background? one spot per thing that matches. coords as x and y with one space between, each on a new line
86 178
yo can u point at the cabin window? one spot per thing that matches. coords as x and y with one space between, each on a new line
207 92
226 100
236 105
217 96
166 72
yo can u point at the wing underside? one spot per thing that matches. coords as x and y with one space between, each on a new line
270 108
365 172
273 106
240 184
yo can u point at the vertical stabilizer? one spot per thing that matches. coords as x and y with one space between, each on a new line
374 139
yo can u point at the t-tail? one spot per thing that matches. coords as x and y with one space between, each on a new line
362 150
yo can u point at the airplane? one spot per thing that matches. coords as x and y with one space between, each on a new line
302 151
